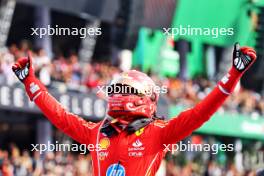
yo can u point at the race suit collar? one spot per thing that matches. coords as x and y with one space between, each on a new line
113 126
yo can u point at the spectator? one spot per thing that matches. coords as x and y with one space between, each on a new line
42 65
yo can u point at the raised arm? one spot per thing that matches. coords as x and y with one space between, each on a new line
70 124
182 126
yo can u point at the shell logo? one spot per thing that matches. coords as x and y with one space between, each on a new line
104 143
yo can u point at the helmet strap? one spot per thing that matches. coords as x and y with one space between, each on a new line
110 129
138 124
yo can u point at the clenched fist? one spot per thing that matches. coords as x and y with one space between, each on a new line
25 73
243 58
23 68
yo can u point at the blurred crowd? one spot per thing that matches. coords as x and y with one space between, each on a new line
189 93
73 74
17 163
14 162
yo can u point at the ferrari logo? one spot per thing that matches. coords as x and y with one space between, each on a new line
139 132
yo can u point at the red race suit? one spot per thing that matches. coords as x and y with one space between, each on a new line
139 153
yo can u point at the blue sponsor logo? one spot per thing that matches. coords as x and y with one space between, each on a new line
116 170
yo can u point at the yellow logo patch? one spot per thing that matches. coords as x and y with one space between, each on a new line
139 132
104 143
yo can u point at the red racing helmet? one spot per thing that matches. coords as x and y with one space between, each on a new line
132 95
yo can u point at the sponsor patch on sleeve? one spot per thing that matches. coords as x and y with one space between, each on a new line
160 123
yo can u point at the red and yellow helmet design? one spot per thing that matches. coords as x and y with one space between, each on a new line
135 97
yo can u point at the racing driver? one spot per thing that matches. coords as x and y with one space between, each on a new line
131 138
